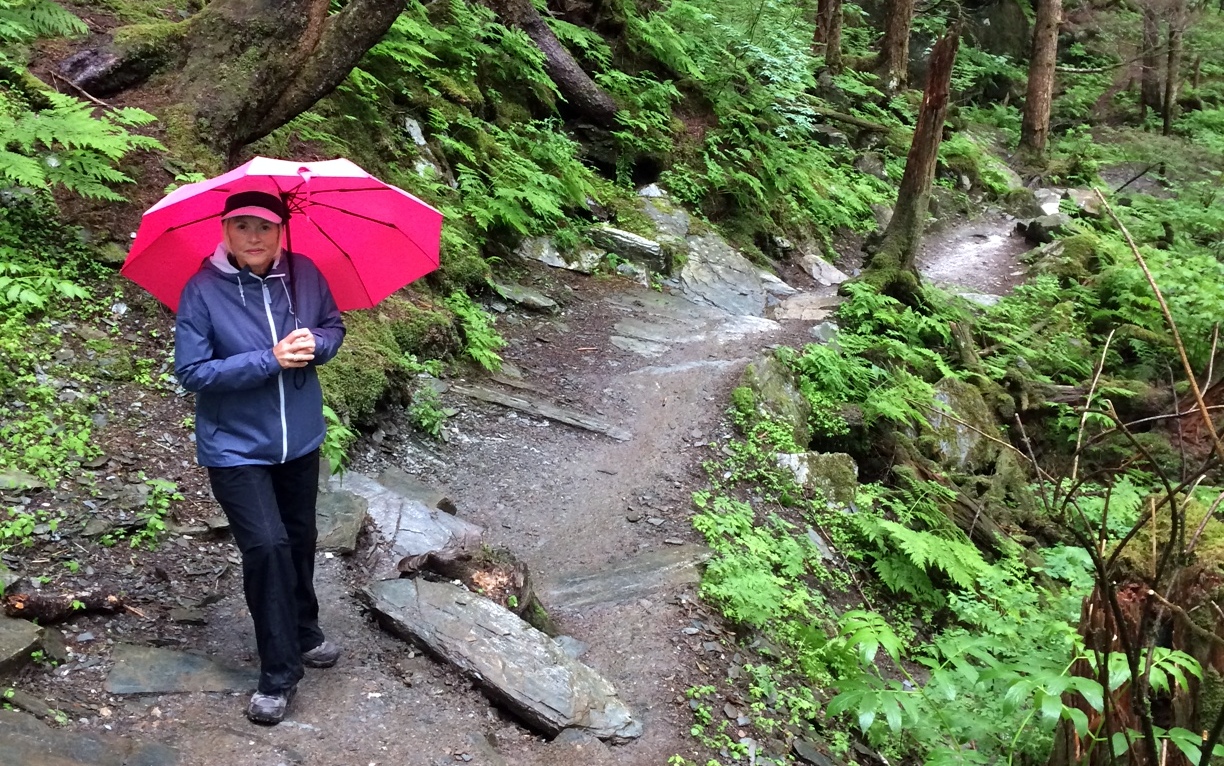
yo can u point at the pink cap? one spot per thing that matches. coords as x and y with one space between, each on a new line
253 210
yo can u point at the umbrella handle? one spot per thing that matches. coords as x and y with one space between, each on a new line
289 263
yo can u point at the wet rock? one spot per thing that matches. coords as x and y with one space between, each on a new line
716 274
185 616
571 646
826 553
27 702
150 670
883 215
646 348
1042 230
775 286
25 741
830 137
645 252
822 271
777 394
18 638
872 164
960 444
410 532
542 249
12 479
516 664
672 221
824 332
626 580
7 577
808 752
834 474
807 307
651 190
53 645
339 516
525 296
1085 200
1048 200
428 495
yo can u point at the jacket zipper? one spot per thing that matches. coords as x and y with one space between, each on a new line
280 376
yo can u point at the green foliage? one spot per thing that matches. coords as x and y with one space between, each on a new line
481 340
336 441
153 516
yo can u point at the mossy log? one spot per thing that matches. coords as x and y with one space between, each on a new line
243 68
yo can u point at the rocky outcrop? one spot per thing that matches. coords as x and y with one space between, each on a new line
633 247
716 274
515 664
833 474
776 395
960 438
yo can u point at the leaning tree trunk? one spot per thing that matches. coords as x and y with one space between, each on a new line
892 63
576 86
1035 126
1177 28
240 68
891 268
1149 91
827 39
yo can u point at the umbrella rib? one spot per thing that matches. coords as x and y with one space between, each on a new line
374 220
388 224
347 257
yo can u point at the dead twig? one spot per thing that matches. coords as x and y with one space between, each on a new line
82 91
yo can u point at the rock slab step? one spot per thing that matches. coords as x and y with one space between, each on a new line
150 670
17 639
628 580
516 665
25 741
339 516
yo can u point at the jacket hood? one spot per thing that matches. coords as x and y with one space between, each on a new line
219 260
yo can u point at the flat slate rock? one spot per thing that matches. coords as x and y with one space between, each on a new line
718 275
807 307
339 516
17 639
150 670
25 741
627 580
400 481
410 532
517 665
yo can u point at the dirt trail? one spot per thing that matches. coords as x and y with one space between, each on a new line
978 256
604 525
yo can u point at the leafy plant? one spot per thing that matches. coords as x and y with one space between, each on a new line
481 340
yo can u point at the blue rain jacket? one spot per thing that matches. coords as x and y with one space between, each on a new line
249 411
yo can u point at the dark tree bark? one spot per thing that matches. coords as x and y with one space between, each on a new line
892 63
576 86
241 68
1150 63
891 268
1177 28
1035 126
827 39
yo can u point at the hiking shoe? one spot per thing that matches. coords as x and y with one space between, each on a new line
322 656
269 709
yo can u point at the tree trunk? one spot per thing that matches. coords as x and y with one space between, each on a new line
576 86
892 63
1150 63
1177 29
244 67
827 39
891 268
1035 126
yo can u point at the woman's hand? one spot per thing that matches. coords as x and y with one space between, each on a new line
296 350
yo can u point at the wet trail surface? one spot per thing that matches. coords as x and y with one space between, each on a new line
604 525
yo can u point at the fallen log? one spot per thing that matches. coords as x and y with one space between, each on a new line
23 601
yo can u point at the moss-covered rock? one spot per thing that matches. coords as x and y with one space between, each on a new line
775 394
833 474
958 440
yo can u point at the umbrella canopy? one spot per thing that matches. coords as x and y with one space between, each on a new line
367 237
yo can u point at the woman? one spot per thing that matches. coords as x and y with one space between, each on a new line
251 328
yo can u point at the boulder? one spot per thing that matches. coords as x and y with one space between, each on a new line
822 271
516 665
524 296
18 638
1085 200
671 220
829 136
410 533
872 164
961 444
807 307
834 474
716 274
633 247
542 249
775 286
1048 200
777 395
1042 230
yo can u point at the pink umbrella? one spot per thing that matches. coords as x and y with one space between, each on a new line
368 237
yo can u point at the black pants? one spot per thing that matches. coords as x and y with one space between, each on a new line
271 511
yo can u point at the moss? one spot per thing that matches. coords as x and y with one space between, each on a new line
427 333
156 41
1210 699
364 370
184 143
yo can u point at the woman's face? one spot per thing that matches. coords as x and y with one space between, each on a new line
253 242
